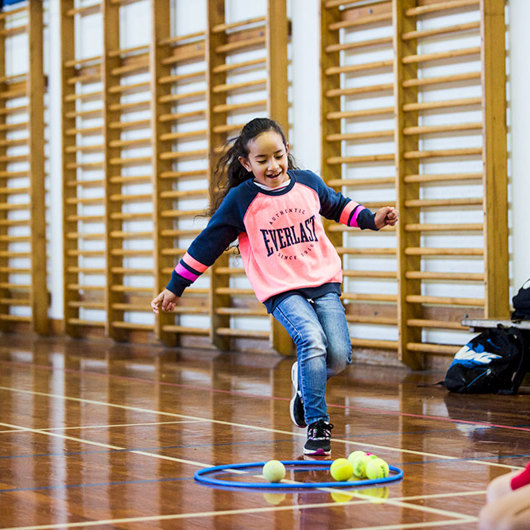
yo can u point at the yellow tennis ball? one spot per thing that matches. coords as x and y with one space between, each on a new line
376 468
341 469
355 460
274 471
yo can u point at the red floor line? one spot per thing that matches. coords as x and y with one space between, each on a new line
254 396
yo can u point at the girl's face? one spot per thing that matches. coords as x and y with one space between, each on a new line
267 159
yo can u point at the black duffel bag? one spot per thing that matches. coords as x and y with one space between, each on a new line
521 303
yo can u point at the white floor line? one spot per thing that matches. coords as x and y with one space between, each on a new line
251 427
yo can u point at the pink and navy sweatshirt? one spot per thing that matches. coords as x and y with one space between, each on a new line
281 238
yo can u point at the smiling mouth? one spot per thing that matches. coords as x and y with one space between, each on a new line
274 176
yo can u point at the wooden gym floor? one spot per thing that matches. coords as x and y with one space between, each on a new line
109 436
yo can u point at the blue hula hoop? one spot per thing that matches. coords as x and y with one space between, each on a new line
201 476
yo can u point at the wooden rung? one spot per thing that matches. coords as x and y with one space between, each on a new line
224 27
184 330
164 80
10 159
96 94
13 110
15 301
133 87
348 69
391 275
86 323
439 56
237 86
359 136
14 286
441 6
96 113
180 135
180 38
85 200
445 349
383 41
120 234
84 61
85 10
230 271
14 206
132 325
343 228
362 183
173 252
430 105
228 127
444 300
182 213
457 28
88 78
86 218
370 297
422 251
136 124
122 52
15 239
80 287
184 95
131 271
14 222
15 318
142 142
15 270
247 333
239 44
425 227
436 203
125 107
350 4
86 304
86 253
239 106
443 177
241 312
187 55
12 94
455 78
14 142
183 174
124 216
174 155
84 148
129 68
339 115
380 321
84 237
135 253
14 174
85 270
232 291
14 191
11 12
366 251
130 180
443 153
439 324
450 276
131 161
14 126
178 194
180 233
87 131
17 30
89 183
334 160
437 129
182 115
132 307
373 343
237 66
361 21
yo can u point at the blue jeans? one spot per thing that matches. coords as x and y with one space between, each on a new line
319 329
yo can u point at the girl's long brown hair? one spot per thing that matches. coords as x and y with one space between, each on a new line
229 172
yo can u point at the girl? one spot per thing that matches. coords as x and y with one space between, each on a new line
274 209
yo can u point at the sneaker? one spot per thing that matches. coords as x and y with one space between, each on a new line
296 405
318 438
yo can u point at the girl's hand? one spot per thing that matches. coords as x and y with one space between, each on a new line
386 216
164 301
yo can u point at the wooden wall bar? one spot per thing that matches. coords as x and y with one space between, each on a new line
23 294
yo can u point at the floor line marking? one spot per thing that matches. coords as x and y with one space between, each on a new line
244 426
278 398
468 519
194 515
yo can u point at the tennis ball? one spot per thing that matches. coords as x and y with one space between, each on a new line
341 469
274 471
355 460
360 463
376 468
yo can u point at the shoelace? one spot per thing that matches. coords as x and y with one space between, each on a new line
321 430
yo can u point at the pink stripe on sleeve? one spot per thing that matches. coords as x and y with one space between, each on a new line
345 215
193 263
353 221
185 273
